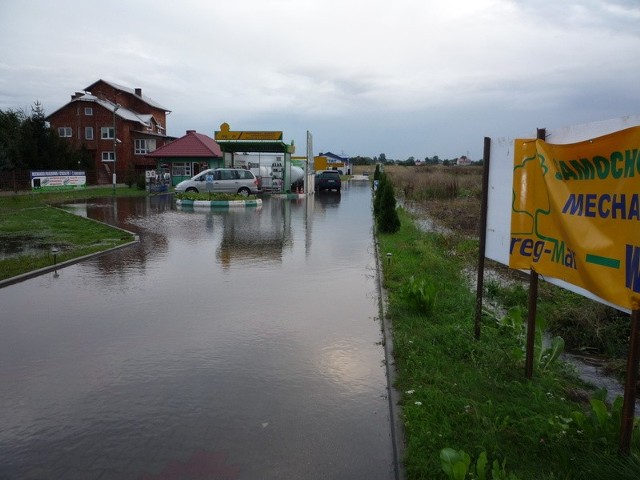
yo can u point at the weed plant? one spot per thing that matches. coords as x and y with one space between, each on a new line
586 326
471 395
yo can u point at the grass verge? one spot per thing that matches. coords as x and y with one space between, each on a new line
472 395
30 218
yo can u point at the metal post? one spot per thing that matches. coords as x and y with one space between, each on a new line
631 384
115 108
533 300
531 323
482 234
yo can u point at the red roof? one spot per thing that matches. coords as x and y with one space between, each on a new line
193 144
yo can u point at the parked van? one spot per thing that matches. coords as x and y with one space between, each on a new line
222 180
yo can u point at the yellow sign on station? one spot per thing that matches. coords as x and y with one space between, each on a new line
575 213
226 134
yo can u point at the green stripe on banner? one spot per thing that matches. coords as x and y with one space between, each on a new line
603 261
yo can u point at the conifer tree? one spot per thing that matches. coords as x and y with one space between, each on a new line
387 218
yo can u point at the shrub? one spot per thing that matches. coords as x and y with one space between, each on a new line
387 218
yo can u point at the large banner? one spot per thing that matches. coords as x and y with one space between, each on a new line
575 213
58 180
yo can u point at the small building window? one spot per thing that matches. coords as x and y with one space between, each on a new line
65 132
181 169
88 133
108 156
144 145
107 133
88 110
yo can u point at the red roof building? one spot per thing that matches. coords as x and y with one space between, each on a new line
116 125
187 156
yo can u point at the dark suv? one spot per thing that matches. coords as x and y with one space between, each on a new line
328 180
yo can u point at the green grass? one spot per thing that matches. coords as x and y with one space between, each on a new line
31 218
472 395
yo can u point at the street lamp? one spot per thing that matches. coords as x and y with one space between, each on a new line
115 142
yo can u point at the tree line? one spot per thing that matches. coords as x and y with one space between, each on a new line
382 158
28 143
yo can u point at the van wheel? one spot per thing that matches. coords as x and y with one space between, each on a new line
244 191
191 190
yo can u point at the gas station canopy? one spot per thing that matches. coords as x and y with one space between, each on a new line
251 141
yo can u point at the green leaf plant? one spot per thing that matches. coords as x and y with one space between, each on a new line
544 355
421 295
457 465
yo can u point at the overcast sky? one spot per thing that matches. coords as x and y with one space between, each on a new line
403 77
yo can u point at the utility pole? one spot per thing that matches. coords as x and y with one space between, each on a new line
115 143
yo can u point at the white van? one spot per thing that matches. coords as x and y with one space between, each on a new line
222 180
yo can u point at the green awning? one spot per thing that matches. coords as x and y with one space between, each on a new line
257 146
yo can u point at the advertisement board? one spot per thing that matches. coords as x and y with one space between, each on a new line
576 213
58 179
500 188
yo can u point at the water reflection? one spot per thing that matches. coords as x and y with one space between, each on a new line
256 236
244 340
328 199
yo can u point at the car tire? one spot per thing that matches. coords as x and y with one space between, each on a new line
244 191
191 190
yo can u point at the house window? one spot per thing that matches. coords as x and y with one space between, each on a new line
182 169
88 110
107 133
65 131
143 145
88 133
108 156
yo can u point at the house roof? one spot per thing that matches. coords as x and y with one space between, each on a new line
333 155
131 91
193 144
143 119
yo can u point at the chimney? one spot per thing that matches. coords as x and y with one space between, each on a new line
139 92
190 131
76 95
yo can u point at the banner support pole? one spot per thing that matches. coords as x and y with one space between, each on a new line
631 384
532 307
483 234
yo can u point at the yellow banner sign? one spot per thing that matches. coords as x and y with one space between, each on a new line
248 136
575 213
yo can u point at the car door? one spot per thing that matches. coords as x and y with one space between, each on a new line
246 179
228 181
200 182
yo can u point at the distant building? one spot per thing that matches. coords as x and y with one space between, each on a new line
331 161
116 125
463 160
187 156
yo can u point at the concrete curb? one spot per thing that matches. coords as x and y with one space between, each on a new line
219 203
289 196
395 410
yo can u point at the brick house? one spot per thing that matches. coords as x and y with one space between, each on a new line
116 125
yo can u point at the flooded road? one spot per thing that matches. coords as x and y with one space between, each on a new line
238 344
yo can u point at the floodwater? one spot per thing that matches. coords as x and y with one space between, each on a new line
240 344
